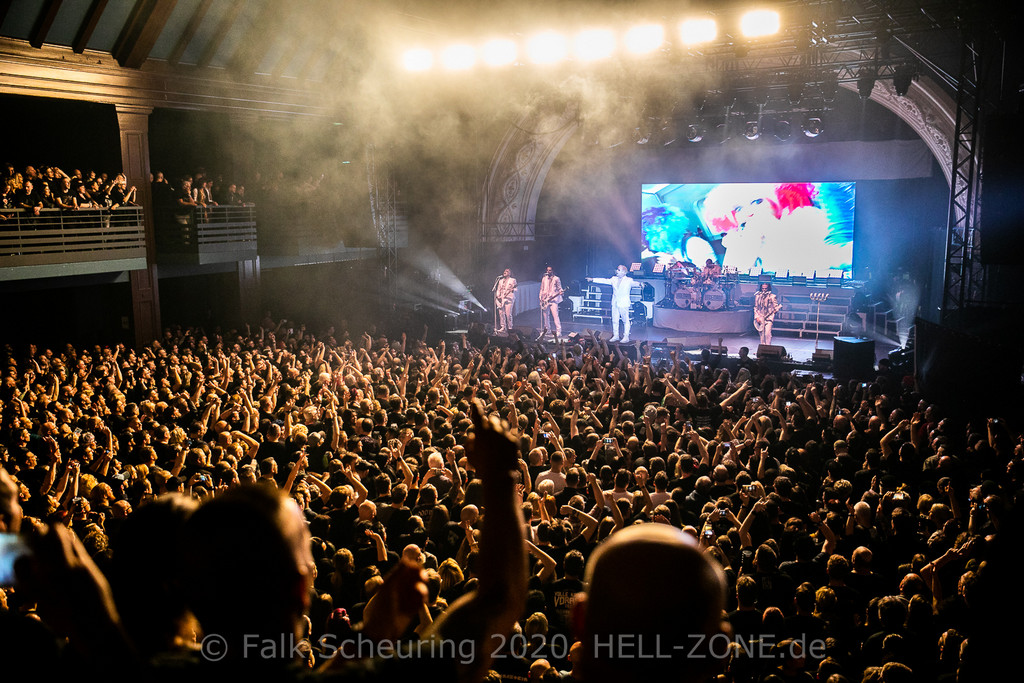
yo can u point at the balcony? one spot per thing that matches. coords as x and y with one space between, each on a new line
206 235
57 243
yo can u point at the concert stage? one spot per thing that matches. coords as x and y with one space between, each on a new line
709 322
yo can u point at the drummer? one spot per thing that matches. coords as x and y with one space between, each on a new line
711 272
683 268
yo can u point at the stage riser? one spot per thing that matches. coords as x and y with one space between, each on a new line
707 322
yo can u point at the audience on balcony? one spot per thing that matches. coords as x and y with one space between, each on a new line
50 187
852 524
120 194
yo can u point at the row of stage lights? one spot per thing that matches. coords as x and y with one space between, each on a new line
590 45
780 128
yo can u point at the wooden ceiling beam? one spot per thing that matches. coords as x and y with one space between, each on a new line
250 53
194 22
141 31
92 18
43 23
5 5
223 27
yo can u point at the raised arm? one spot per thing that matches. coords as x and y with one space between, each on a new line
501 593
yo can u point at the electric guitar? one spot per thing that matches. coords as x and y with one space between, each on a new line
759 320
545 300
504 301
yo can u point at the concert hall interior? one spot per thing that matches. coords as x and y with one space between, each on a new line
391 160
196 191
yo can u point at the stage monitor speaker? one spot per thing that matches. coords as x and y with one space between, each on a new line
524 333
853 358
638 314
719 349
798 280
646 291
772 351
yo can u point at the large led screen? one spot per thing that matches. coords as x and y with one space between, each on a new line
783 228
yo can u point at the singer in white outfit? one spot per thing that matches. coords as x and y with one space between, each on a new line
504 296
621 284
550 296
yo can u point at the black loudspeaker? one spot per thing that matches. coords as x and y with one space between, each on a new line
853 358
771 351
646 291
524 334
1001 218
638 314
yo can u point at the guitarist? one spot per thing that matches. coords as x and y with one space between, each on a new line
550 296
504 296
766 305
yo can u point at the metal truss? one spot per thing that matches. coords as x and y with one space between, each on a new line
509 231
825 43
384 212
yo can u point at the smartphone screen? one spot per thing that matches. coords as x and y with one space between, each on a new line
11 549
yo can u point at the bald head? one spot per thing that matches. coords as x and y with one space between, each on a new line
679 598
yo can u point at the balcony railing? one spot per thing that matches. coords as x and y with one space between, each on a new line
57 242
203 235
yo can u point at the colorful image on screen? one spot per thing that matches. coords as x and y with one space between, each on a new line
794 228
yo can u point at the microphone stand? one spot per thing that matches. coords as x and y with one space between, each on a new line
494 288
818 297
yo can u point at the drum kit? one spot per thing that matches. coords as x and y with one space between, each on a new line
695 290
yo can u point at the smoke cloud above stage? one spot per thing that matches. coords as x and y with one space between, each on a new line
437 134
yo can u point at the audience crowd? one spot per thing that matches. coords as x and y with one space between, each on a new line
851 521
49 187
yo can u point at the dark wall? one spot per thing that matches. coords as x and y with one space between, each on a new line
325 294
183 142
207 300
65 133
76 310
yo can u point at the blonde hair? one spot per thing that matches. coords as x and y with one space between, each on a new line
450 573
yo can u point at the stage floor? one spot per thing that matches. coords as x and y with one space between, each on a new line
800 349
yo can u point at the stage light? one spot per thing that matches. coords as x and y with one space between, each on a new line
594 44
783 130
812 126
901 81
499 52
418 59
829 87
458 57
695 132
796 92
759 23
866 83
641 40
697 31
547 48
752 130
